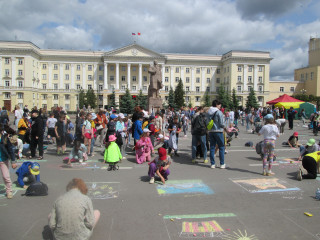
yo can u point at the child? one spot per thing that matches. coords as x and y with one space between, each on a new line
270 133
87 132
160 166
152 129
60 133
174 129
78 152
112 154
28 173
144 147
293 140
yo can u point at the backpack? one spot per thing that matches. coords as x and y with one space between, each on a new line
4 116
37 189
199 126
248 144
119 141
111 126
259 147
210 124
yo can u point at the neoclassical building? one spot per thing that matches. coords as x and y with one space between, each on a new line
45 77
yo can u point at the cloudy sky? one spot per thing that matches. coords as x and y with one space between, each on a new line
282 27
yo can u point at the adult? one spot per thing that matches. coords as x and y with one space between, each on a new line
72 215
4 116
36 135
310 147
79 123
231 117
310 162
303 117
216 133
281 122
291 114
282 112
23 128
198 131
18 114
101 124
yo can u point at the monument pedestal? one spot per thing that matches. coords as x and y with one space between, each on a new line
155 104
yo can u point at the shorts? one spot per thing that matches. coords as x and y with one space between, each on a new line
61 141
88 135
51 132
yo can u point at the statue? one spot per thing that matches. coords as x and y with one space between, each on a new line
155 80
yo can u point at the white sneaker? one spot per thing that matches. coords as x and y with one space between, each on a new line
223 166
213 166
151 180
80 161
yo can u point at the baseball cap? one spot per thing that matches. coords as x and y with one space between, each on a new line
113 116
146 130
311 142
162 153
295 134
35 168
268 116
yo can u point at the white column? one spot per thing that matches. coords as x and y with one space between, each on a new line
203 80
163 77
117 76
171 76
61 77
1 71
192 79
50 76
255 78
72 76
245 77
129 75
182 75
84 76
105 83
213 79
13 69
140 76
95 76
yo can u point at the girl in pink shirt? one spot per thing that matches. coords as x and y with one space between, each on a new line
144 147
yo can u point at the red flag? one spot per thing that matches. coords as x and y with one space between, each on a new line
139 33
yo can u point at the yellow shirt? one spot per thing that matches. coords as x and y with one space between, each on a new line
314 155
145 124
22 123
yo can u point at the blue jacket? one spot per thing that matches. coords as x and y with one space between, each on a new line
24 171
137 129
6 150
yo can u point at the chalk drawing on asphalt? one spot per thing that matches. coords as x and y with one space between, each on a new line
259 185
205 229
14 188
238 235
103 190
188 187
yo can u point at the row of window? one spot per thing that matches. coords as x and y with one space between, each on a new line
306 76
90 77
7 61
7 72
282 89
249 79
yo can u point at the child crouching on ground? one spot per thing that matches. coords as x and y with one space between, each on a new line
78 153
144 147
112 154
160 166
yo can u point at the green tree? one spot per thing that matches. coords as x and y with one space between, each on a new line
252 100
234 98
171 102
179 95
142 100
224 98
91 98
82 98
206 99
112 102
126 103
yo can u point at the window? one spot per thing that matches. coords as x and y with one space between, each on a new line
249 88
44 86
224 70
166 79
239 88
227 69
197 80
167 98
208 89
260 88
177 69
55 86
78 86
198 70
100 77
134 69
89 77
239 78
34 96
145 79
208 80
123 78
187 70
55 76
20 95
7 95
7 83
239 99
67 66
44 96
100 97
55 67
134 88
281 89
67 97
166 69
217 89
144 88
44 76
218 70
100 87
197 89
250 79
20 72
218 80
78 67
166 88
7 72
177 79
208 70
306 76
250 69
187 79
89 86
311 76
67 86
111 68
239 69
66 77
302 76
78 77
55 96
123 68
20 61
44 66
20 84
260 80
100 68
291 89
7 60
197 99
187 89
123 87
134 78
144 69
260 68
260 99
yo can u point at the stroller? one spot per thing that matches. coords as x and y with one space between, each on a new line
260 150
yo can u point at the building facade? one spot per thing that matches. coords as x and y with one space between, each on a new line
47 78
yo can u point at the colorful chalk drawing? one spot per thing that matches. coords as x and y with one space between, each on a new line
103 190
258 185
79 166
201 229
15 188
189 187
239 236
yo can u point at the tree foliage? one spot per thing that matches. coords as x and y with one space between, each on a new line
206 99
112 102
308 98
91 98
171 98
142 100
82 98
252 100
179 95
224 98
126 103
234 99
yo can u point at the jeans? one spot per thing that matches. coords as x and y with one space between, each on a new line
202 140
216 138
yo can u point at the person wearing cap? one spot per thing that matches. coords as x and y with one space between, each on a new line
101 123
60 133
310 162
23 127
293 140
160 166
270 133
310 147
36 134
28 173
112 153
144 147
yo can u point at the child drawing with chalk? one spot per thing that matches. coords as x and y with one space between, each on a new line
78 153
160 166
112 154
144 147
